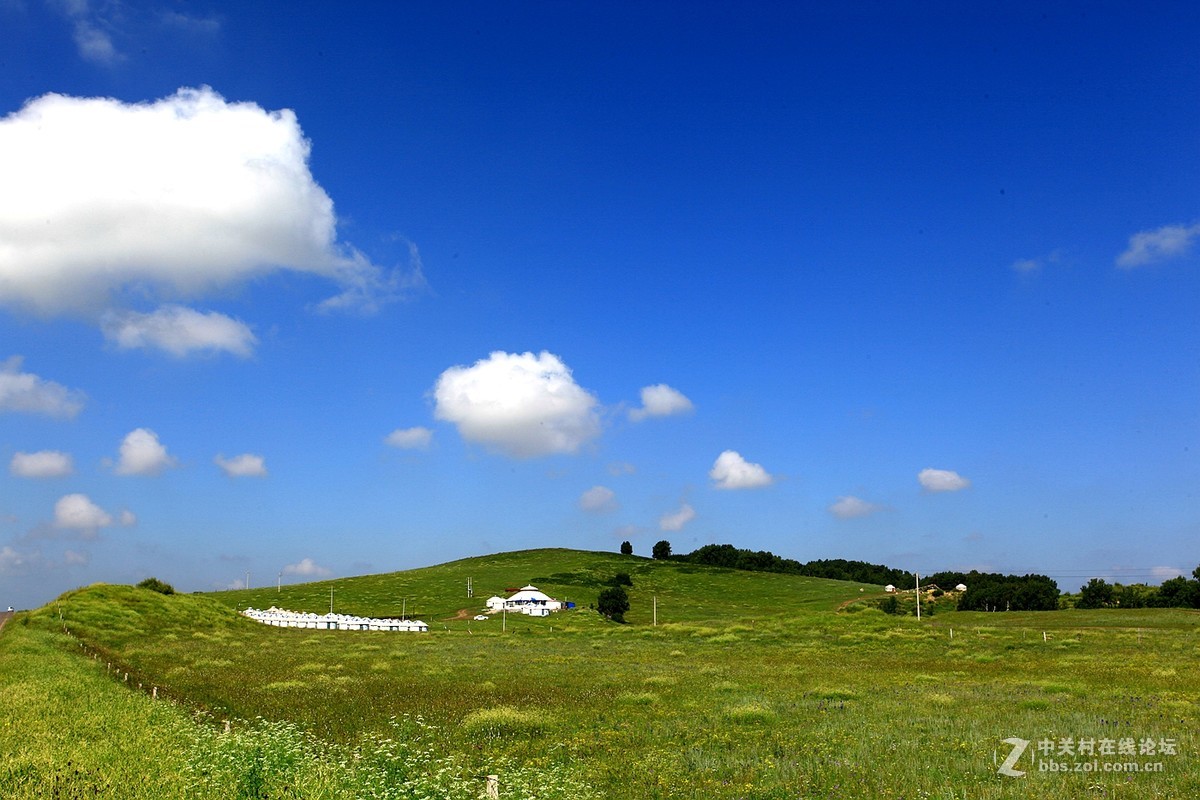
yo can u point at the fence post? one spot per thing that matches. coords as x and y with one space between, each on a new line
492 789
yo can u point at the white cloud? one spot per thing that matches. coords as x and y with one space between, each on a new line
618 468
598 499
942 480
179 331
849 507
26 392
307 568
520 405
13 561
174 198
42 464
731 471
1166 573
73 558
660 400
142 454
417 438
127 519
247 465
78 513
1026 265
677 519
1161 244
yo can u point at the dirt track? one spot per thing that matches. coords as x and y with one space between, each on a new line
4 615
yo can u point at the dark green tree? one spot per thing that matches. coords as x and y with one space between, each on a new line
662 549
1096 593
626 549
613 603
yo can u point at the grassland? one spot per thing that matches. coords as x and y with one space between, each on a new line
751 685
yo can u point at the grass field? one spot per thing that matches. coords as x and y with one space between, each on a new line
751 685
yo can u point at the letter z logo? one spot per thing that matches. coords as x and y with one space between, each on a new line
1018 748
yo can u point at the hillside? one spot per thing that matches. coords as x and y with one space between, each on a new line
685 592
750 686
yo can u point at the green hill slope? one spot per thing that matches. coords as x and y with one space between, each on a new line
685 592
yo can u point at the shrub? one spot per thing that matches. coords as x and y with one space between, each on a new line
613 603
155 585
620 579
503 721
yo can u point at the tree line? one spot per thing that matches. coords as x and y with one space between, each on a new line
986 591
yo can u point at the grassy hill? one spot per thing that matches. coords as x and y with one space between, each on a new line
685 592
752 685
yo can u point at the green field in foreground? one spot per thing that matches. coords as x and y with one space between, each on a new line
752 685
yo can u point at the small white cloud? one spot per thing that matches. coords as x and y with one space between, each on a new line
731 471
73 558
247 465
521 405
1166 573
142 454
1161 244
942 480
849 507
618 468
179 331
307 568
43 464
27 393
677 519
598 500
417 438
660 400
127 519
78 513
1026 265
13 561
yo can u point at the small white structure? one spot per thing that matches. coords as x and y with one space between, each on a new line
530 600
962 587
280 618
890 589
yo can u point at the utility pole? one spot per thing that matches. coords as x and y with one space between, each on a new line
247 579
918 576
656 611
279 583
330 599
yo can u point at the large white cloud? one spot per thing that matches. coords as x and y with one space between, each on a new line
247 465
1160 244
849 507
141 453
179 331
731 471
522 405
28 393
660 400
675 520
177 197
42 464
942 480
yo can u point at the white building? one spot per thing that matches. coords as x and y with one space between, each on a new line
962 587
529 600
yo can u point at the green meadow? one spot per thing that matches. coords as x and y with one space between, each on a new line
750 685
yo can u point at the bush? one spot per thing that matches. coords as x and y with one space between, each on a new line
620 579
155 585
613 603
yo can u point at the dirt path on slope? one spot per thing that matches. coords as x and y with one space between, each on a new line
4 617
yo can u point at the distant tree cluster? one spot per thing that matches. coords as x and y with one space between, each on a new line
726 555
1173 593
990 591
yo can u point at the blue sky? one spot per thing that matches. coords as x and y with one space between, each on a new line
327 291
